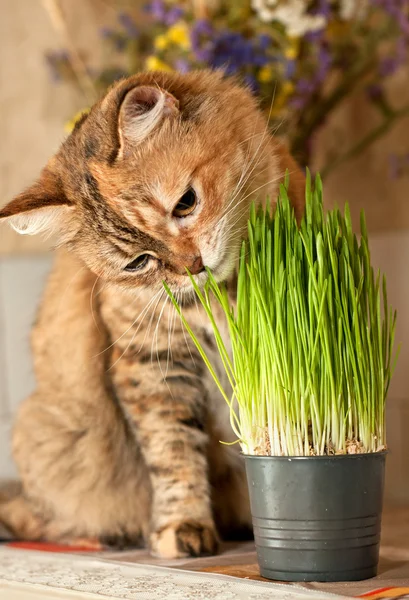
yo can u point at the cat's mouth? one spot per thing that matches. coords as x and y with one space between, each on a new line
221 271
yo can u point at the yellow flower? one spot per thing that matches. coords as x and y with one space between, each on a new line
153 63
287 88
179 34
291 52
161 42
69 125
265 74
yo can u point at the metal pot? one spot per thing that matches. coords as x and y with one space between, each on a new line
317 518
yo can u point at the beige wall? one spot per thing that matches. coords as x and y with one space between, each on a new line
33 110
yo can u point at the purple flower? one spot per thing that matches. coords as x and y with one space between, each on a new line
157 9
128 24
290 69
116 38
57 61
314 37
324 64
323 7
160 12
227 49
173 15
305 86
297 102
264 41
106 32
200 41
182 65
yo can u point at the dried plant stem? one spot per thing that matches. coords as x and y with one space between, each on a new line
366 140
57 18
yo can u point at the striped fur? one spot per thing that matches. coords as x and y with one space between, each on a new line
120 441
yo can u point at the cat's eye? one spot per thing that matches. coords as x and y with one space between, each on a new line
138 263
186 204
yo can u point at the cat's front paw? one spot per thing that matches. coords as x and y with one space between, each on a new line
187 538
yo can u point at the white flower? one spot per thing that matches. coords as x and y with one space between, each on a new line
352 9
291 13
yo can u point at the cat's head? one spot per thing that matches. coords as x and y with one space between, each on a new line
157 178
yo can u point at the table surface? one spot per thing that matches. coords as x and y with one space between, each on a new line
239 559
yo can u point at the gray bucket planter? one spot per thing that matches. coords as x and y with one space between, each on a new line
317 518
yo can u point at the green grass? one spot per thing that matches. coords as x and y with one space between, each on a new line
311 336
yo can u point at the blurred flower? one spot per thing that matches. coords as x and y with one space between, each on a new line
305 50
292 50
153 63
292 14
161 42
350 9
57 61
324 64
128 24
119 41
164 14
182 65
179 34
266 74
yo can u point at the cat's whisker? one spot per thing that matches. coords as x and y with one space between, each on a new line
130 326
246 174
156 338
264 133
171 329
91 303
149 305
149 327
225 215
249 171
274 180
245 163
140 317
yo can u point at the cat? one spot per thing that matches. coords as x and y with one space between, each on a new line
120 442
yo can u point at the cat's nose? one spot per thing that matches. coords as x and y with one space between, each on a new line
196 266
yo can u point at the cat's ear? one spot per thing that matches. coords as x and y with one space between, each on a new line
142 110
41 208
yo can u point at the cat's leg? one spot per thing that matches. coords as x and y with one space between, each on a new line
82 476
81 471
168 413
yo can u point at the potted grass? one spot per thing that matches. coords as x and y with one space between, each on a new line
309 362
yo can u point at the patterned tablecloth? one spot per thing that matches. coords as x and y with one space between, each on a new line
30 574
